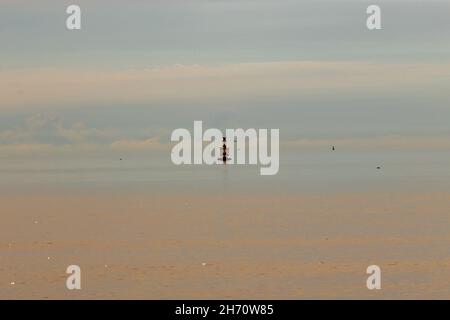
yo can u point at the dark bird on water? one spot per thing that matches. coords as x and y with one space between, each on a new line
333 148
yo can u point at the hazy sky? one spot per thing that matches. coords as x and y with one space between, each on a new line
139 69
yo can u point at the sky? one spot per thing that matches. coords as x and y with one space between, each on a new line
139 69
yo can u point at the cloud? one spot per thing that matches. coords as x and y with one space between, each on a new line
78 149
391 142
30 150
48 134
25 149
78 132
50 128
181 84
139 144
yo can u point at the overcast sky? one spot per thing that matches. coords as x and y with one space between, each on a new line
139 69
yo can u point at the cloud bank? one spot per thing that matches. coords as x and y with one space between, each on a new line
178 84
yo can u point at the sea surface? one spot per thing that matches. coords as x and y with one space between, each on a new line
299 172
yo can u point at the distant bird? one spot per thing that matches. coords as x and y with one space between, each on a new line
333 148
120 159
378 168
